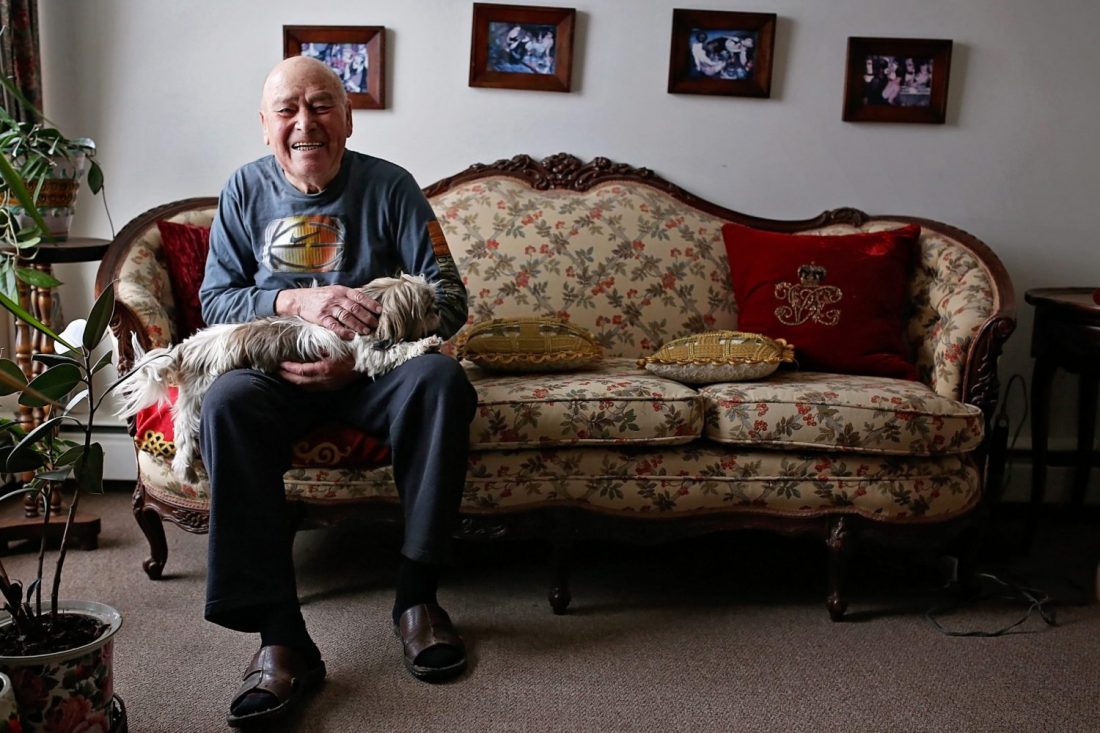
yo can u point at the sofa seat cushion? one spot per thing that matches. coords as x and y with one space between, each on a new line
834 412
668 483
613 403
671 482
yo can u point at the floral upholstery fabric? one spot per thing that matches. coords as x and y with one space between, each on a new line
818 411
700 479
144 287
638 268
629 263
611 403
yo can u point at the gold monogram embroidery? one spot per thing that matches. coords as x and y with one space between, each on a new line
808 300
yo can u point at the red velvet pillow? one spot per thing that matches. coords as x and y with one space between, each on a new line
839 299
185 248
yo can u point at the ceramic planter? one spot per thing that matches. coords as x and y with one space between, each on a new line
57 199
70 691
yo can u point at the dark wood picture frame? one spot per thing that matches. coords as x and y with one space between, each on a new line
522 47
721 53
367 42
897 80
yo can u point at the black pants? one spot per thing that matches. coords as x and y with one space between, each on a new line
250 420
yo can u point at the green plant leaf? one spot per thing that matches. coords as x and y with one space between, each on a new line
14 182
12 378
58 474
88 470
95 177
51 385
37 278
41 432
55 359
25 461
99 318
76 400
21 313
104 361
69 456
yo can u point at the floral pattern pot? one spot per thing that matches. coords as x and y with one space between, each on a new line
70 691
9 711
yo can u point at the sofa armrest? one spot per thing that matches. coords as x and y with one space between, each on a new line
135 267
963 311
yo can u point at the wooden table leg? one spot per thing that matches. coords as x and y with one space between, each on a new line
1086 434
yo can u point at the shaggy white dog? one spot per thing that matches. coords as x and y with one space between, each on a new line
408 316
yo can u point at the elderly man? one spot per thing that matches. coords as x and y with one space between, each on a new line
316 214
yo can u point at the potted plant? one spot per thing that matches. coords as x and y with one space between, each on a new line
42 173
57 655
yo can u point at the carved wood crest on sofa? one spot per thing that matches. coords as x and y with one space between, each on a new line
613 450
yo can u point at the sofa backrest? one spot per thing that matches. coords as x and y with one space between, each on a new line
629 256
639 261
630 263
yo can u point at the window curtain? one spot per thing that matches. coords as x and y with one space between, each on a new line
20 60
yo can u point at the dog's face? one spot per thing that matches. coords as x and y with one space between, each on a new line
409 309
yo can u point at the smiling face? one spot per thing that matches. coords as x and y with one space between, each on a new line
306 118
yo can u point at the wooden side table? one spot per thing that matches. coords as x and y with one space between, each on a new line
28 343
1066 335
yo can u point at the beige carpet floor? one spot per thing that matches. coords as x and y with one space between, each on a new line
714 634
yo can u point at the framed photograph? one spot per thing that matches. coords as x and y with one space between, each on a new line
357 53
897 80
725 53
522 47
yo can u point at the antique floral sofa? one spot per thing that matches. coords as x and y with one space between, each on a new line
612 450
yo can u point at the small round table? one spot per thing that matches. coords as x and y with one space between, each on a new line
39 302
29 343
1066 335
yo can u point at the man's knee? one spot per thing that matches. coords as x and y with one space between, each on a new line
443 381
239 394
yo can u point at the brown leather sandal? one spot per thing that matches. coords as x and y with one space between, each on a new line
425 627
280 671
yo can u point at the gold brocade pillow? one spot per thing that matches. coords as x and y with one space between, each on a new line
527 345
719 356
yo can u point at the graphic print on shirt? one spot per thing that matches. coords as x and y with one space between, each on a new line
454 292
312 243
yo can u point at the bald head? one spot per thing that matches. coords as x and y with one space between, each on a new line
306 120
300 68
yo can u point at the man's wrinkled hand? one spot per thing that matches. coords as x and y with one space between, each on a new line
345 311
327 375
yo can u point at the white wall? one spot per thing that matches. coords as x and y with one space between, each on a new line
170 91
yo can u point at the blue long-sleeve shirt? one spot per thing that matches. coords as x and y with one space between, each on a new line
371 221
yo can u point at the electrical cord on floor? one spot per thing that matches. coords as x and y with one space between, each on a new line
1001 423
1037 600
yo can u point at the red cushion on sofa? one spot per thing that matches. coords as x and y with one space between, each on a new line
185 248
839 299
328 446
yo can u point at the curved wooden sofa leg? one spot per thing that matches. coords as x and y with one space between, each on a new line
152 526
559 595
839 544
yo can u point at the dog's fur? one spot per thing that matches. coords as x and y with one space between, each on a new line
409 315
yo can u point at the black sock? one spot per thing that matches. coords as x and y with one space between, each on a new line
417 583
282 627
